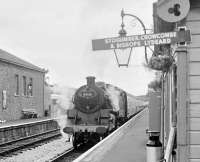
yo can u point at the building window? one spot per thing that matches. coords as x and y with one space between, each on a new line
24 85
16 84
30 87
4 99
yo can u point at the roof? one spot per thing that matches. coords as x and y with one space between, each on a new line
9 58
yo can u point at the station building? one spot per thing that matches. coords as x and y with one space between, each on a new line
181 86
21 88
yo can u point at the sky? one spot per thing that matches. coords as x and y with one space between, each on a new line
57 34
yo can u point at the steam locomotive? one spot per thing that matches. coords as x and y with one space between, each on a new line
93 116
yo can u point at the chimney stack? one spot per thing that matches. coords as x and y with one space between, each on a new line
90 81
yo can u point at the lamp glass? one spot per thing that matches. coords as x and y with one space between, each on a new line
123 56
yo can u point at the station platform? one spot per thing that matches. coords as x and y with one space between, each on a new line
23 121
126 144
14 130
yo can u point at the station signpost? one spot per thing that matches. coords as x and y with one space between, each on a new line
141 40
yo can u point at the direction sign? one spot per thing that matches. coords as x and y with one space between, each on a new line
141 40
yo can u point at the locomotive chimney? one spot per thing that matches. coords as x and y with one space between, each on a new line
90 81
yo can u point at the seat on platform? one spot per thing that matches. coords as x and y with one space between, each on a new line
29 113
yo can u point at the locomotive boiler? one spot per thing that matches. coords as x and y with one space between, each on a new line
93 116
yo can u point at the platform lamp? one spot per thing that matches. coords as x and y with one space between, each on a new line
123 55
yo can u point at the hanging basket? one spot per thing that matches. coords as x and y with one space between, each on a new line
161 62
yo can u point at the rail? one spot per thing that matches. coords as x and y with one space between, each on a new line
21 143
28 137
59 156
170 144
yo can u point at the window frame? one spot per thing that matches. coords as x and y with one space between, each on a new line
17 86
24 82
30 90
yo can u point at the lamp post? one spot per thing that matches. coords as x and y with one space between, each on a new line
122 33
153 146
135 17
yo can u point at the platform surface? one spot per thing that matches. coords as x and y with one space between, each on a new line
126 145
132 146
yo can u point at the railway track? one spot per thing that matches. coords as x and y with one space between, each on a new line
61 156
71 154
16 145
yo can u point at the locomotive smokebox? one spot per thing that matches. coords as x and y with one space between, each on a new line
90 81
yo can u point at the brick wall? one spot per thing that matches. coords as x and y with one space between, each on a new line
15 103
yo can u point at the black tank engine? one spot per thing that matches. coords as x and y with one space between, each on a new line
94 116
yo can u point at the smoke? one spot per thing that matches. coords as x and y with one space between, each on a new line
113 94
62 97
62 121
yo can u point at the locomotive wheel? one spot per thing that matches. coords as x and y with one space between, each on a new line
95 138
106 134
